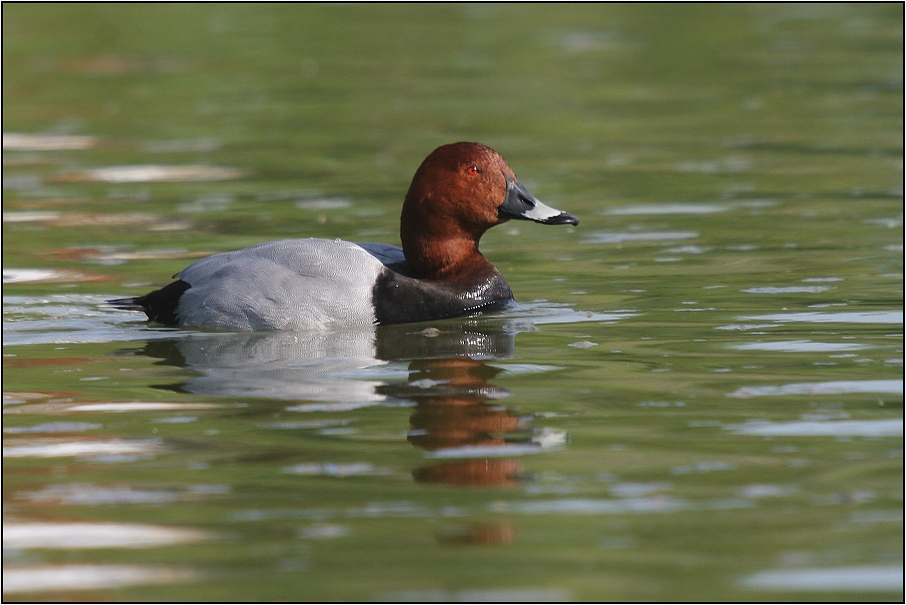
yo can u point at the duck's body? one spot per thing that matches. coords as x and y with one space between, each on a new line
458 192
332 283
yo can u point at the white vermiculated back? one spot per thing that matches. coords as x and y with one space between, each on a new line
293 284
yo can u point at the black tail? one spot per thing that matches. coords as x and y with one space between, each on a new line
126 304
159 306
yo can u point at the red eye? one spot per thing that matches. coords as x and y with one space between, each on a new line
473 170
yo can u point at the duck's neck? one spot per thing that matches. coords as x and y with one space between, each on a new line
449 258
441 251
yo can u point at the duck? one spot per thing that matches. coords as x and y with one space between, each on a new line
457 193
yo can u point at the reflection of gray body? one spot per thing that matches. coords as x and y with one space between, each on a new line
343 366
321 365
281 365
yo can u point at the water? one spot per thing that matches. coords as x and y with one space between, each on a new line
699 396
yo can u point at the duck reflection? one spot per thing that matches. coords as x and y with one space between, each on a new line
317 366
455 408
479 534
445 370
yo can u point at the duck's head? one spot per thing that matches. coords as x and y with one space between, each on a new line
470 185
460 191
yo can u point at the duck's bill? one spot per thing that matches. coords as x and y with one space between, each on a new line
522 205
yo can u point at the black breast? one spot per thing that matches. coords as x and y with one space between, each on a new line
401 299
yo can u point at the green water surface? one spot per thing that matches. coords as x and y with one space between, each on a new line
698 398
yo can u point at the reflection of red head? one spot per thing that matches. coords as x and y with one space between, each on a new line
486 534
472 473
453 422
452 411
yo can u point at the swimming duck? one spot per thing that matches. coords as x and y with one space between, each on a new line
459 192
